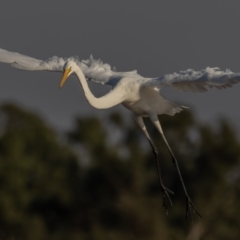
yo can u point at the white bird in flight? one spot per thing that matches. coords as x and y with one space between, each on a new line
135 92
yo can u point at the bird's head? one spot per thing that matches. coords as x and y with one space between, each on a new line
68 68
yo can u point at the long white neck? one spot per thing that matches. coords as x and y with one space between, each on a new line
109 100
88 94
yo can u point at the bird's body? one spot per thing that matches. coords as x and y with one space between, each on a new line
143 101
135 92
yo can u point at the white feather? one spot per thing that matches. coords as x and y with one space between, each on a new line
197 81
97 71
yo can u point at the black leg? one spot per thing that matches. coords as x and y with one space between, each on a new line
166 192
166 198
190 208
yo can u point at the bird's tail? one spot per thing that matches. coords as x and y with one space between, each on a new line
172 108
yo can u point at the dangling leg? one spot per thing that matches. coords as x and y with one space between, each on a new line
189 207
165 190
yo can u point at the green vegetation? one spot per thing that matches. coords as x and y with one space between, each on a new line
100 183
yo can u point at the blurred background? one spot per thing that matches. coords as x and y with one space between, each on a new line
68 171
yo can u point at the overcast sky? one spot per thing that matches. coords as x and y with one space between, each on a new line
154 37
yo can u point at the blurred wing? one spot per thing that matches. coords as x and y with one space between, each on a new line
97 71
24 62
94 70
197 81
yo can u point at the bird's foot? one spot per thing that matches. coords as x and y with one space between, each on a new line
190 209
166 198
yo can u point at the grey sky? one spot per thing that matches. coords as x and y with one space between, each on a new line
154 37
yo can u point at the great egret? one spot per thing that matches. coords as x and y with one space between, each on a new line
139 94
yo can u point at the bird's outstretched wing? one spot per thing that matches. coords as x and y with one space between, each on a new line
196 81
24 62
93 69
97 71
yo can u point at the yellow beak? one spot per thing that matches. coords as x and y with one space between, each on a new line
64 77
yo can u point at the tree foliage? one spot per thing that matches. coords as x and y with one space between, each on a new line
100 182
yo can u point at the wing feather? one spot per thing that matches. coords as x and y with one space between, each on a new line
94 70
24 62
97 71
197 81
